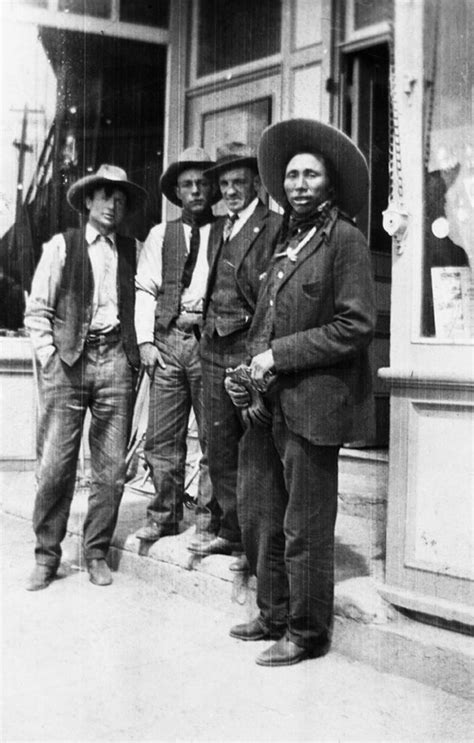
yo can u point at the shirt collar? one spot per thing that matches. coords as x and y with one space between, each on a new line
247 212
92 234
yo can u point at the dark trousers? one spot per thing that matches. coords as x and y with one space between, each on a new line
173 392
287 506
224 425
101 381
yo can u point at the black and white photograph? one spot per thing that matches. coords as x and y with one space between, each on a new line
237 371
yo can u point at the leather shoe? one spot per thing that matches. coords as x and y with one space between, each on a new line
240 564
286 653
41 577
152 532
255 630
99 572
217 546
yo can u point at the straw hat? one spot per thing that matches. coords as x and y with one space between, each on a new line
106 175
281 141
192 157
233 155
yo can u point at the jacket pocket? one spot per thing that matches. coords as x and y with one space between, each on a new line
312 290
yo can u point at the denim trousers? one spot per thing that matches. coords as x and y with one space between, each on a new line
173 391
224 425
287 506
100 381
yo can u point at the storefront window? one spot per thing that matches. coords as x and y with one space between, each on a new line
369 12
154 13
232 34
97 8
448 287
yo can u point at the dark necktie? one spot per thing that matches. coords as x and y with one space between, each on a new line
190 264
228 224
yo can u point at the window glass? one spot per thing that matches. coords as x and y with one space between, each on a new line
232 34
149 13
369 12
97 8
448 291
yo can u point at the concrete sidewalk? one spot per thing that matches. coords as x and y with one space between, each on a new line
138 661
366 628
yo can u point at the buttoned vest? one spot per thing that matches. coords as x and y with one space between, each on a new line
228 310
74 304
173 259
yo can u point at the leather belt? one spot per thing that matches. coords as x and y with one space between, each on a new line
97 339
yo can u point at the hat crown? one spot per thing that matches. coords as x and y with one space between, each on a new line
194 155
234 151
111 173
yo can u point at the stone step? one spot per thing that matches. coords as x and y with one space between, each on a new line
366 627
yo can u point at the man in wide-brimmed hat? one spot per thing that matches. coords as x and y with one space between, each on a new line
80 316
311 330
171 281
241 244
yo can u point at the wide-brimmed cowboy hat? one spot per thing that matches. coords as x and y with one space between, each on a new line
281 141
192 157
106 175
233 155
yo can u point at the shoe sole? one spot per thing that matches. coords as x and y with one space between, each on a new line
255 638
96 583
307 655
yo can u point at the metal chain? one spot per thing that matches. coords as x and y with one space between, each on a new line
431 83
395 158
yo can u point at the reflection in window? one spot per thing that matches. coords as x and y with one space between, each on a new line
369 12
232 34
96 8
448 289
150 13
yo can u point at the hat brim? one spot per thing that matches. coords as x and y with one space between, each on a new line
281 141
136 195
169 179
237 162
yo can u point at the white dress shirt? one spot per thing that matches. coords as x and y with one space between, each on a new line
149 279
41 304
244 216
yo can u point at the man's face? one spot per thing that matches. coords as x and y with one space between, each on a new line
194 190
306 183
238 188
107 207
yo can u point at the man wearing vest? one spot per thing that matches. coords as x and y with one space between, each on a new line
80 318
171 281
240 247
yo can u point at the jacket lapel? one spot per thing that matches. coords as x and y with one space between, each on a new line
250 231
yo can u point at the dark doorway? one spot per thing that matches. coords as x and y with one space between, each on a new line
365 117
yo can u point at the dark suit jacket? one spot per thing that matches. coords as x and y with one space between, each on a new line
252 248
323 323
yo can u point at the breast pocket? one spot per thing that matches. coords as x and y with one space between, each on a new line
312 290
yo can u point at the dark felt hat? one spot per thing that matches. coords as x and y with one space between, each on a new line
192 157
233 155
281 141
106 175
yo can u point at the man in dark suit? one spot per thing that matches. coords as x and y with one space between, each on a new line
240 246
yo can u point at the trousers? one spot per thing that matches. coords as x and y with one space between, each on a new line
173 392
100 381
287 507
224 426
